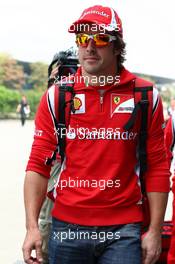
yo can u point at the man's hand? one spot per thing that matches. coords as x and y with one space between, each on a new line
151 247
35 188
32 241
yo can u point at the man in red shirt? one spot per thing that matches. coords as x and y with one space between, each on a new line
97 212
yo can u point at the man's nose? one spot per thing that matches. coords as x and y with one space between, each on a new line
91 45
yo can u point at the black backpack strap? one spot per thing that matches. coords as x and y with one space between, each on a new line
144 104
141 108
61 124
142 148
133 117
62 117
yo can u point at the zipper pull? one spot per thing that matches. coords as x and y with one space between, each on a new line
101 99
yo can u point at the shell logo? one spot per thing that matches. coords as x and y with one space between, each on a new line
116 99
77 103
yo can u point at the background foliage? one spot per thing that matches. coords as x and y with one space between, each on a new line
19 78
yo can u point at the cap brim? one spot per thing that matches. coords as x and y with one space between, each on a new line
76 26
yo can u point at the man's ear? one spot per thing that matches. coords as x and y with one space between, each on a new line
116 52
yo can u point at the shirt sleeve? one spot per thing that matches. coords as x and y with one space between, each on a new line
157 177
169 139
45 139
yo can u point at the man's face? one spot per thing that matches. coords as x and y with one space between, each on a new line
97 60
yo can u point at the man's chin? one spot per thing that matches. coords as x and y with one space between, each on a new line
90 69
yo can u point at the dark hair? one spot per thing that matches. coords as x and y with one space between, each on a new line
119 44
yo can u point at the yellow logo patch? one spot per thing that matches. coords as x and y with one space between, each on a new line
116 99
77 103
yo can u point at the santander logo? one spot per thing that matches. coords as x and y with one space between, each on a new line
102 13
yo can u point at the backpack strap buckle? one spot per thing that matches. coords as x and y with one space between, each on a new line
144 102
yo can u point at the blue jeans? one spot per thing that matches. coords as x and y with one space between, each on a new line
75 244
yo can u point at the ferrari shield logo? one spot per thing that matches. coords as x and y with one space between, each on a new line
116 99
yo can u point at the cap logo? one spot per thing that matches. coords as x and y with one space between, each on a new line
102 13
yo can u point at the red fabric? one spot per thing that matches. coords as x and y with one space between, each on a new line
44 140
103 16
97 158
169 139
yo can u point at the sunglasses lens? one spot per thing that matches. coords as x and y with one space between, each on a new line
101 40
82 39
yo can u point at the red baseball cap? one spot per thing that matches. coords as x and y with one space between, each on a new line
103 16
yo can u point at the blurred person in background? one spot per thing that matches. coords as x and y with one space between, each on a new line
23 109
171 108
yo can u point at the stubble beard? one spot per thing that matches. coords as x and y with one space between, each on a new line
92 69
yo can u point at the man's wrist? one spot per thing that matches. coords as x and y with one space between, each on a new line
155 229
32 226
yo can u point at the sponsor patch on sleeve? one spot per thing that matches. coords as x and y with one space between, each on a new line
38 133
